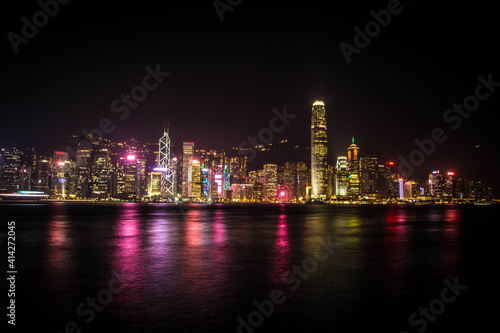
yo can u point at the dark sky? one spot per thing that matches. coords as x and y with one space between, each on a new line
226 77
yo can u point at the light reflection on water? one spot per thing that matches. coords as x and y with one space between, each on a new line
206 264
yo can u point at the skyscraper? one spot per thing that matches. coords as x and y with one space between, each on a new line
270 181
43 173
290 177
341 177
187 168
353 164
196 184
368 174
59 173
318 151
302 180
165 164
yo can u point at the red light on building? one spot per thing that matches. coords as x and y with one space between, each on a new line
390 163
451 174
131 157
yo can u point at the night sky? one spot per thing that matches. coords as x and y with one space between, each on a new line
225 77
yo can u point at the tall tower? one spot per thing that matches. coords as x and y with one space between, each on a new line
164 164
270 181
353 164
187 168
342 177
318 151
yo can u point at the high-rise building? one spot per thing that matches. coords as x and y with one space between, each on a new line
25 178
353 164
60 169
11 168
303 180
436 184
368 174
450 184
83 157
127 176
270 181
218 179
238 168
341 177
196 184
290 177
187 168
330 176
165 165
177 175
43 175
392 179
318 151
141 183
154 183
205 182
100 174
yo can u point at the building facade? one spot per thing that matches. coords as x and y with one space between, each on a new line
318 151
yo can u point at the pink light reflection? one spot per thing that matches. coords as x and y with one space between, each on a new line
395 261
281 256
450 248
127 257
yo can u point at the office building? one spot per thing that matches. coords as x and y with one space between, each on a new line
318 151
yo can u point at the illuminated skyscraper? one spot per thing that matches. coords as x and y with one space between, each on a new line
318 151
82 157
449 188
60 161
127 176
341 177
290 177
187 168
302 180
43 173
25 178
270 181
165 166
196 184
353 164
436 184
368 174
10 168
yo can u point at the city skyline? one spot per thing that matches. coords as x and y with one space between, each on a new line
219 84
135 170
248 166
